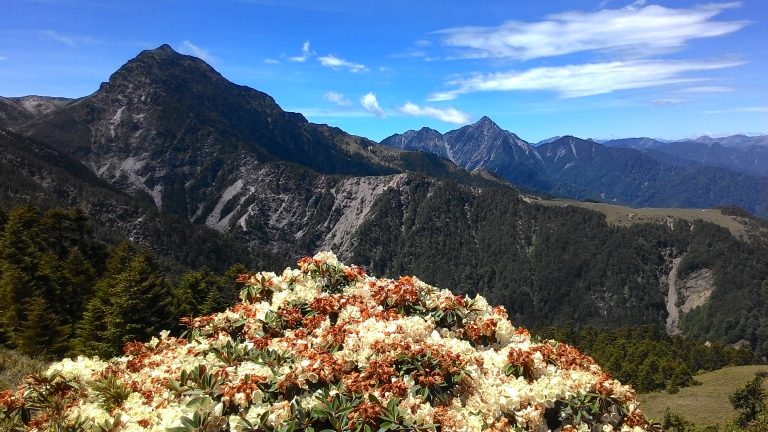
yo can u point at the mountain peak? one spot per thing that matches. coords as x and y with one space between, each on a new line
427 129
167 68
486 122
163 51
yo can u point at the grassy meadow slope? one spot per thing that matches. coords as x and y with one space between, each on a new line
620 215
704 404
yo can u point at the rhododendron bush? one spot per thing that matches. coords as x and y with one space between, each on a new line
327 347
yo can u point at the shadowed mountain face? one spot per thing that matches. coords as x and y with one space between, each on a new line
171 126
584 169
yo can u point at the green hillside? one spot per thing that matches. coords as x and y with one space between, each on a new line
704 404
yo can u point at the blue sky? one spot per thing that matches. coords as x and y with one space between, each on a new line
597 68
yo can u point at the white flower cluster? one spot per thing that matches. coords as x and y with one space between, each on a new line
328 334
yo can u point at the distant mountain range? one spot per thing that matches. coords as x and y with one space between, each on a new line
738 152
170 154
635 171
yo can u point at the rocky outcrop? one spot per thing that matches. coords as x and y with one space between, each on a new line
686 294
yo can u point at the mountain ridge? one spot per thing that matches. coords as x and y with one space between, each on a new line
629 171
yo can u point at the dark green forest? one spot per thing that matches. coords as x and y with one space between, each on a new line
558 265
63 292
647 356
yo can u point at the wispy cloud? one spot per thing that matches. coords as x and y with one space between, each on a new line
634 29
707 89
69 40
188 47
330 113
584 80
271 61
448 115
338 99
66 40
371 105
669 101
750 109
305 54
336 63
3 58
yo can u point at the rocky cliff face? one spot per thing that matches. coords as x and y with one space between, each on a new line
284 210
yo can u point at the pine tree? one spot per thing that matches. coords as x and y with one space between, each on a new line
80 277
131 302
19 260
41 333
191 293
13 292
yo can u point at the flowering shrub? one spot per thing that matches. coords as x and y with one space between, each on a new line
327 347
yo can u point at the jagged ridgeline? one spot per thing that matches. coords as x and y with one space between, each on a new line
327 347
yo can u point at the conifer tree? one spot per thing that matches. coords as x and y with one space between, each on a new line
19 259
191 294
131 302
80 277
41 334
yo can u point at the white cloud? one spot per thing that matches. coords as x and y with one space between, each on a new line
636 29
271 61
707 89
448 115
338 99
336 63
584 80
370 103
188 47
750 109
329 113
669 101
305 54
3 58
72 41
